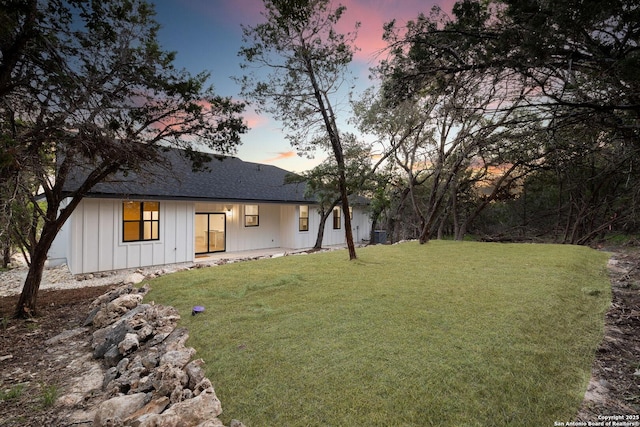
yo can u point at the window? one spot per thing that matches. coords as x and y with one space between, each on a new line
251 216
336 218
303 223
140 221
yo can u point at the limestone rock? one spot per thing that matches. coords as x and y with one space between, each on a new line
156 406
118 408
110 296
213 423
65 335
90 380
195 372
203 385
121 367
179 394
150 359
144 331
111 334
168 378
177 358
110 375
104 339
124 303
128 344
158 420
146 369
104 299
143 384
201 408
134 278
112 356
192 412
177 339
83 417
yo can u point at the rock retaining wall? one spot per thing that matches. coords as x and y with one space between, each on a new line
150 378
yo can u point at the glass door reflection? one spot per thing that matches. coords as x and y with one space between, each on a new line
210 229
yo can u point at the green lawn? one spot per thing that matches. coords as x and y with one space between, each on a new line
443 334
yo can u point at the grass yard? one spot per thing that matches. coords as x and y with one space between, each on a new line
443 334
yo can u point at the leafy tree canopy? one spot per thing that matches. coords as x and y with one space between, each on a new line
86 85
577 56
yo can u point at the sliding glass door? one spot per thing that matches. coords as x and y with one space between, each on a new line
210 229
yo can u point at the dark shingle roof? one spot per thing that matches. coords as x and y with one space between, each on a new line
223 178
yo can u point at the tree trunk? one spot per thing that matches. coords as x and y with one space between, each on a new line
26 306
427 225
323 221
461 231
391 230
329 120
348 232
374 225
6 256
454 212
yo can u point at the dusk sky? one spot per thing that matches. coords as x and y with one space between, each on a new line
207 34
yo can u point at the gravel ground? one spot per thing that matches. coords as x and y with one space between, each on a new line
60 277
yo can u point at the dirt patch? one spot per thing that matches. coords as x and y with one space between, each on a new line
614 389
32 374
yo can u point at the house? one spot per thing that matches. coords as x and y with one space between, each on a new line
176 215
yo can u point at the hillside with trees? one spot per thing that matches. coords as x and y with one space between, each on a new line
520 121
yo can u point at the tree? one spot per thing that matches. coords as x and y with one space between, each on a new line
449 134
307 60
575 54
362 179
320 183
86 91
565 63
585 189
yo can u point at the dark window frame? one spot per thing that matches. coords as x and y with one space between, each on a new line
337 220
224 243
303 221
142 222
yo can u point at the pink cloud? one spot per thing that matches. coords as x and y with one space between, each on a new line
373 14
179 118
254 120
280 156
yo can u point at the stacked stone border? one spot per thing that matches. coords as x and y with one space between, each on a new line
150 378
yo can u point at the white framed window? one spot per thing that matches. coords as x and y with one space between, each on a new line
251 216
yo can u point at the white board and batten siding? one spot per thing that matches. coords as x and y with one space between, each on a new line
276 226
296 239
360 228
91 241
280 227
94 241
